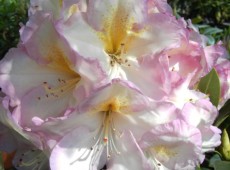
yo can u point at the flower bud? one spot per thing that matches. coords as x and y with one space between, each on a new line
225 147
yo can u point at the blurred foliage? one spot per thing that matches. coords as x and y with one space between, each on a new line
215 13
12 13
211 17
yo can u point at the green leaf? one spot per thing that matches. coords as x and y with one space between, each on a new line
210 39
213 159
212 30
222 165
224 113
210 85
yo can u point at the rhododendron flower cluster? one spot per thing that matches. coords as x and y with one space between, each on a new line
112 84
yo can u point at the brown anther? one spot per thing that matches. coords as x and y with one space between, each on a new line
105 140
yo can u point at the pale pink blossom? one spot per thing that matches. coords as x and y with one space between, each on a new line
119 33
201 115
44 77
106 128
223 69
175 145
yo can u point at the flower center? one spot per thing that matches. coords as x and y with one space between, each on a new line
59 62
62 88
117 34
162 153
107 134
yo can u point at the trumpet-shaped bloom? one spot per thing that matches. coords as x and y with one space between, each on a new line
201 115
120 33
43 77
106 131
175 145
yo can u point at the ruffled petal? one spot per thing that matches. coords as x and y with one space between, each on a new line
46 46
161 32
174 145
201 113
82 38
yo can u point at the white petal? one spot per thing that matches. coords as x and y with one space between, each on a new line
74 152
130 157
16 82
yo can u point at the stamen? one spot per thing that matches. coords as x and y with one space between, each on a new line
63 87
118 56
107 133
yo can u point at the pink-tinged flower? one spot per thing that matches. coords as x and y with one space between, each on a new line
107 126
186 60
43 76
175 145
119 33
213 54
201 115
160 6
223 69
181 94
